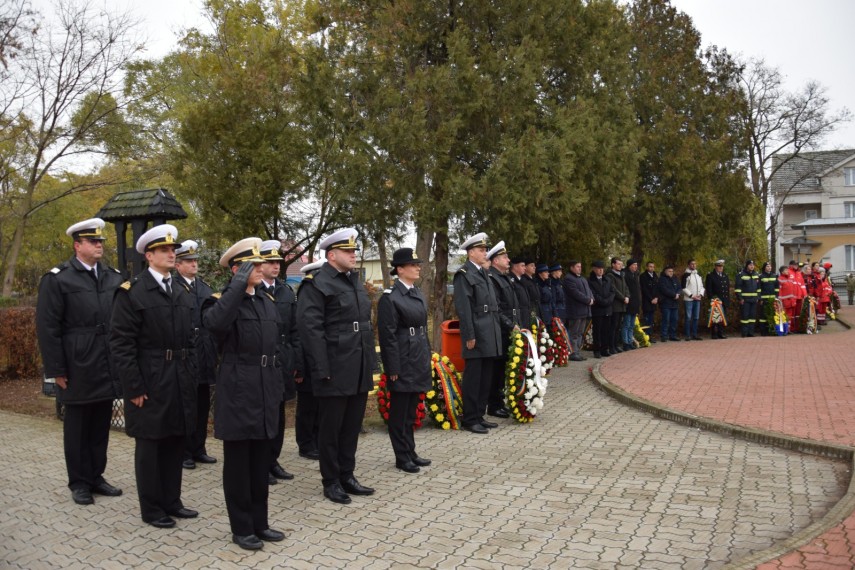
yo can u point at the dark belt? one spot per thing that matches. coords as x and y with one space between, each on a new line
489 308
412 331
356 326
100 328
262 360
167 353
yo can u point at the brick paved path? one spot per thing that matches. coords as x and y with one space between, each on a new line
590 484
801 385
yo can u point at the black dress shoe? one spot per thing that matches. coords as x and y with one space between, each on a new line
577 357
489 425
106 489
615 350
188 464
312 454
352 486
270 535
205 458
184 513
336 494
162 522
82 497
500 413
248 542
697 338
271 480
421 461
407 466
597 354
280 473
476 428
605 354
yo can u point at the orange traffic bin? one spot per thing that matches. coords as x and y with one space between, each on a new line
451 345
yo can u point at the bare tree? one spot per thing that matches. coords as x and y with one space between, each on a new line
62 90
781 123
16 22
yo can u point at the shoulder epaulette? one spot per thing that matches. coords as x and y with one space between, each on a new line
116 270
55 270
309 276
216 295
269 296
462 269
126 285
387 291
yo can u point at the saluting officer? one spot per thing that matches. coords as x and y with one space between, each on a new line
187 266
334 312
249 391
289 343
404 347
306 416
73 326
152 342
509 319
477 308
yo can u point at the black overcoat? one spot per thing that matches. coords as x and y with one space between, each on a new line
526 317
73 327
533 293
558 300
669 288
634 287
478 311
207 352
619 287
153 340
509 312
717 285
604 295
578 293
289 337
404 347
334 313
547 301
649 290
249 382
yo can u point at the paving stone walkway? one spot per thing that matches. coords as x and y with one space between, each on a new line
592 483
801 385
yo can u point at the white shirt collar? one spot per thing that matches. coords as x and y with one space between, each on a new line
157 276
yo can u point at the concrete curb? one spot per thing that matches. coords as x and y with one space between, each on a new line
836 515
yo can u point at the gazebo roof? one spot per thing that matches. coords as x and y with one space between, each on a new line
154 203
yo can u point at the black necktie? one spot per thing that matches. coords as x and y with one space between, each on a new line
93 274
193 286
166 285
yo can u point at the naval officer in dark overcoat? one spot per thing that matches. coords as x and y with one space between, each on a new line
404 347
334 313
306 425
509 319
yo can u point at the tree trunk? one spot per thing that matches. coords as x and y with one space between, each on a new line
440 282
384 259
12 259
773 241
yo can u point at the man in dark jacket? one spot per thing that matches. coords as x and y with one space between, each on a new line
187 267
509 319
306 427
579 299
73 327
649 283
528 280
747 289
601 310
334 313
556 273
717 285
524 301
249 391
288 340
547 299
152 341
630 276
669 298
621 300
480 333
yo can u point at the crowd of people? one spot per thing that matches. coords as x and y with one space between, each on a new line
163 338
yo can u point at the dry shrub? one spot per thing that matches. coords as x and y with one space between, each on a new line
19 350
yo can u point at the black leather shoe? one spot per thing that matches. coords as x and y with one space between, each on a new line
188 464
407 466
352 486
616 350
421 461
674 339
82 497
106 489
697 338
205 458
248 542
476 428
500 413
597 354
280 473
312 454
336 494
270 535
162 522
722 336
489 425
577 357
271 480
184 513
605 354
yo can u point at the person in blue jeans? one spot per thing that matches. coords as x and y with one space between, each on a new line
669 297
693 291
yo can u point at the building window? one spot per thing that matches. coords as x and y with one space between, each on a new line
849 209
810 214
849 176
850 258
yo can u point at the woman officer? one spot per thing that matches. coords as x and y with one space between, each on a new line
404 348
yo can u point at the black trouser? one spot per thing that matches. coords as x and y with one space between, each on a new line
340 424
306 422
245 467
157 463
402 415
601 332
496 395
85 434
615 324
194 445
749 316
477 379
279 438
